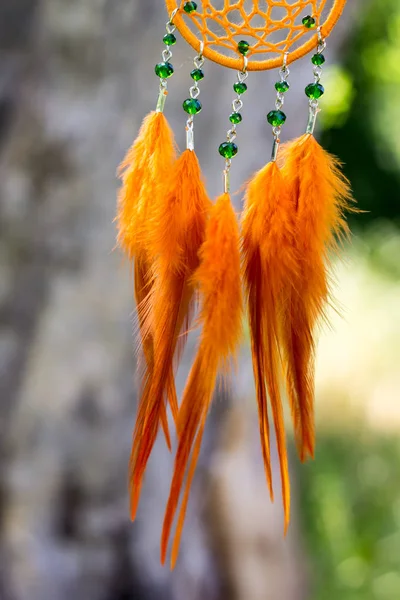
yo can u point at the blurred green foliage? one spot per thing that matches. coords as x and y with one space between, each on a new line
362 111
350 495
350 501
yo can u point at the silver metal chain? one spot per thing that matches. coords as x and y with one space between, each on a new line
166 55
317 70
194 94
284 73
231 135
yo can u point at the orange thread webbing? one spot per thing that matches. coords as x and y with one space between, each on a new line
234 20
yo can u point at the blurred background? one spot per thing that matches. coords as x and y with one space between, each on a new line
76 79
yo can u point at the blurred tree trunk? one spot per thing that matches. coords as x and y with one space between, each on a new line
76 78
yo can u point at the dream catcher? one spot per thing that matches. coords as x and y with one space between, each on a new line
186 250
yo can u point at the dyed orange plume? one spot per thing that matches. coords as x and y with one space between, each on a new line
269 265
143 287
143 290
218 279
177 233
144 171
321 194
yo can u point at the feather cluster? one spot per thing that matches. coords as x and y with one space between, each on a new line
269 264
177 231
293 220
218 280
186 250
143 172
321 195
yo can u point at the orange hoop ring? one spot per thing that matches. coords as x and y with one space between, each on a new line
255 65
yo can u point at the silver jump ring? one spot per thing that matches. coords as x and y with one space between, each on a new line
173 15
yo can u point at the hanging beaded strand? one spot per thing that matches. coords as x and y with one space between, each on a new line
277 117
192 106
229 149
164 70
314 91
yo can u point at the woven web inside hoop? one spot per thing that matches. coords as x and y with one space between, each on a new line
272 27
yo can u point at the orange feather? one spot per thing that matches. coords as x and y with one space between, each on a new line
269 264
143 286
218 280
321 195
177 232
143 172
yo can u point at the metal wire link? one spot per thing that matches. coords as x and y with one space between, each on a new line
317 73
242 76
194 91
232 134
237 104
171 21
280 100
167 54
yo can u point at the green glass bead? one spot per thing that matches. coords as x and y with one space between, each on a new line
228 150
164 70
243 47
309 22
192 106
197 74
235 118
318 59
240 87
189 7
282 86
276 118
315 90
169 39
